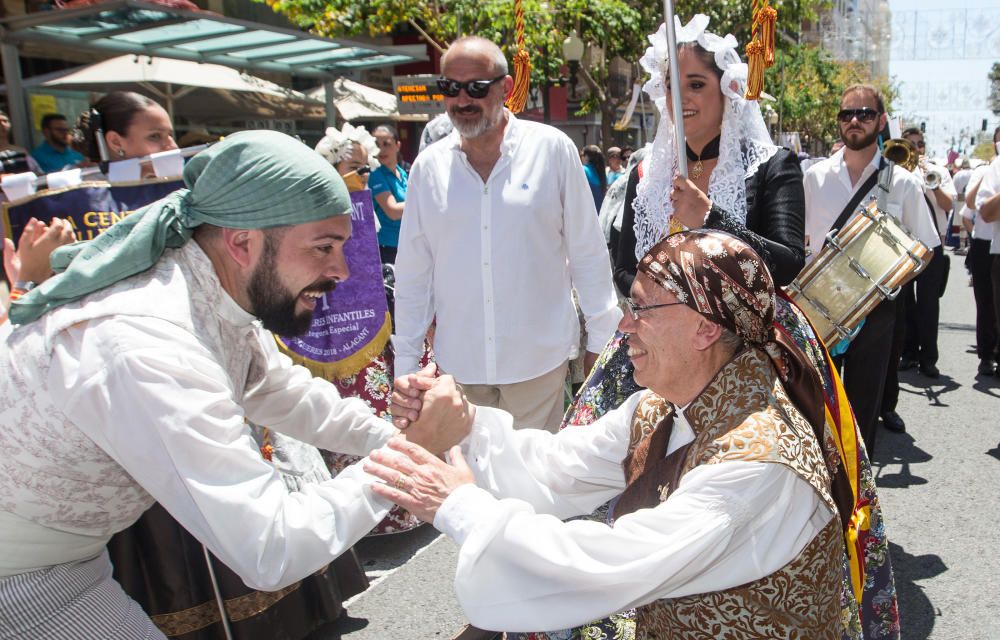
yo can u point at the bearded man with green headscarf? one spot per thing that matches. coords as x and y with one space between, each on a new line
130 377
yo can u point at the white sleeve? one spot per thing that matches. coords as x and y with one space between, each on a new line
916 214
727 524
290 400
989 185
589 263
566 474
414 298
159 404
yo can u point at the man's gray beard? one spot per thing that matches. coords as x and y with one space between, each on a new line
478 128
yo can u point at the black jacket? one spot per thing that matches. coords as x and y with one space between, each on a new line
775 225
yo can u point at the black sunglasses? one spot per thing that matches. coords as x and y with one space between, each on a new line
475 89
864 114
363 170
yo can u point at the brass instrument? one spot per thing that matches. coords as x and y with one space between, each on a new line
902 152
932 177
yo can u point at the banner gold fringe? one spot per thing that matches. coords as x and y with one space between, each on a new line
349 365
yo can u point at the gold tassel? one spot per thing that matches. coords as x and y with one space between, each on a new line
522 65
760 49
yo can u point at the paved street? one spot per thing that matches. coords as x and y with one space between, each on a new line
938 484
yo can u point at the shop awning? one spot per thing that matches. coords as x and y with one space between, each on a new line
129 26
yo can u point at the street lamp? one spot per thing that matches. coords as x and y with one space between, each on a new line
573 52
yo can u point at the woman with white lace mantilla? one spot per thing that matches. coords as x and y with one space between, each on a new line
739 181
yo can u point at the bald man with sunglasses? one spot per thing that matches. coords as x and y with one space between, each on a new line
499 227
829 187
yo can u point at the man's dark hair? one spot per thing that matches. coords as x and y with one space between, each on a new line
49 118
871 90
912 131
117 110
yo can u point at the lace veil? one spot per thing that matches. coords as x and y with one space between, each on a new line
744 146
337 145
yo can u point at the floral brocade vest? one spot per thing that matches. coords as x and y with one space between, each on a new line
743 414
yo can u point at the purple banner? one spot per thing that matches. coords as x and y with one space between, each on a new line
351 323
90 207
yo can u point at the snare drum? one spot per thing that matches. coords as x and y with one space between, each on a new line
868 261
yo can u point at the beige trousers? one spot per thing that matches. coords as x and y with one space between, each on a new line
537 403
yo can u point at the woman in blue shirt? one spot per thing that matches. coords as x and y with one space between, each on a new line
388 187
593 166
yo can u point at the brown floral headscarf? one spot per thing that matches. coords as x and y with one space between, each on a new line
724 280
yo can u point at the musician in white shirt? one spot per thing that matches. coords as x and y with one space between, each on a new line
922 295
829 186
980 263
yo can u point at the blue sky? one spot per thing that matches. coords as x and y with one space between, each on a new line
941 55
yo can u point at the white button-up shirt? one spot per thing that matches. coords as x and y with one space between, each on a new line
989 186
494 262
521 569
828 188
981 230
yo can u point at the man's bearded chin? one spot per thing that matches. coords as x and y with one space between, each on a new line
274 306
857 144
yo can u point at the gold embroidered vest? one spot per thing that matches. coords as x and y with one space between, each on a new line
744 414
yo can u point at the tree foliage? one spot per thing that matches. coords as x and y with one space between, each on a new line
618 27
808 87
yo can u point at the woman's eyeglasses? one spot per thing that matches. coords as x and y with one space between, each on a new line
863 114
475 89
634 310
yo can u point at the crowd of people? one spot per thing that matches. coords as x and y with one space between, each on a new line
171 472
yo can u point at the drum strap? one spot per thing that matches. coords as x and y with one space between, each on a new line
862 191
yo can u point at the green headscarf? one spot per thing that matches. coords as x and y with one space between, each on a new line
251 180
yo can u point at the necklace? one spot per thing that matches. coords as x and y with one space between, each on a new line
710 152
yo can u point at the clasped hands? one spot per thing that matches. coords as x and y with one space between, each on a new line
433 416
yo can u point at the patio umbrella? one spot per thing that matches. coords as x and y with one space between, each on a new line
191 89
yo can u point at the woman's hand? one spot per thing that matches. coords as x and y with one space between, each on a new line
691 205
37 243
31 260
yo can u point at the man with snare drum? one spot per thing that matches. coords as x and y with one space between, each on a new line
834 189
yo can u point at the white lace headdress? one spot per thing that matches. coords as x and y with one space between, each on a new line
744 146
336 146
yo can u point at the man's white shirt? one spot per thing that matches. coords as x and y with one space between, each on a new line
522 568
494 262
989 186
981 230
828 189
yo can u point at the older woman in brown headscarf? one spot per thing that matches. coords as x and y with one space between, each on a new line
725 489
